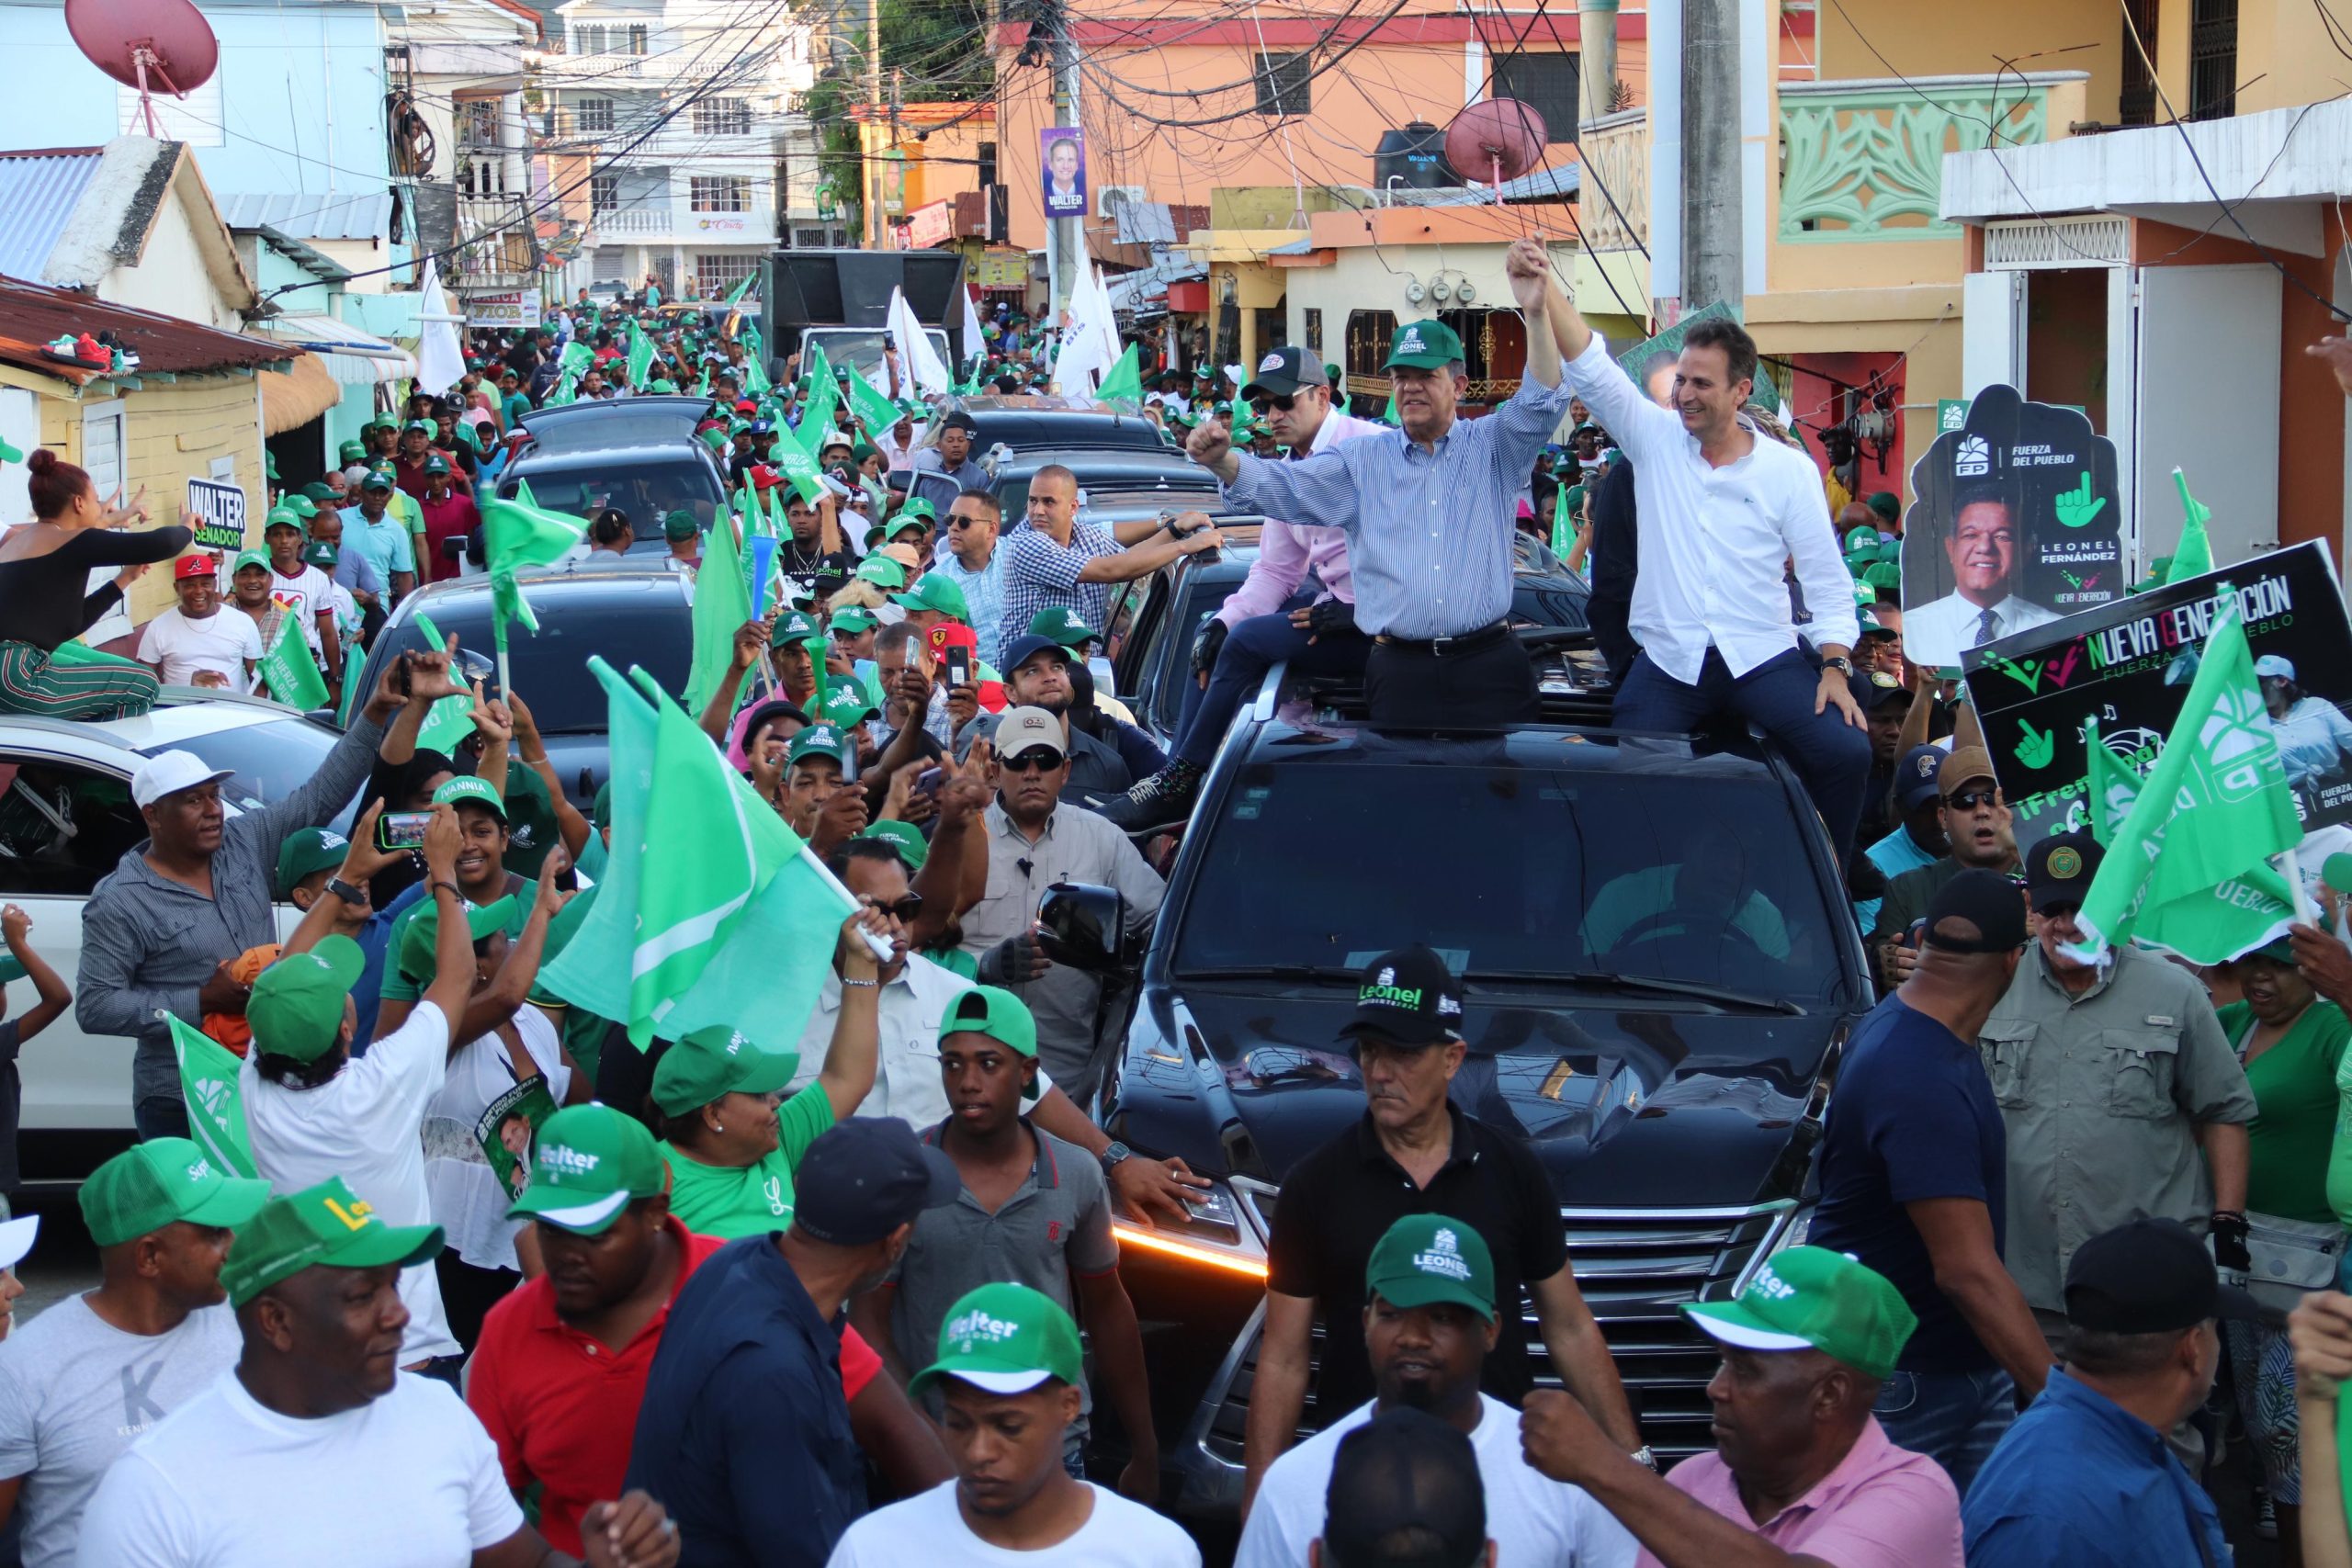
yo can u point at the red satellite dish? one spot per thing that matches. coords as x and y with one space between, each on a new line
1495 139
146 44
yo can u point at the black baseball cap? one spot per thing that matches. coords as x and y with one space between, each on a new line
2150 1277
1872 691
961 421
865 1178
1283 371
1986 900
1405 1493
1408 996
2059 869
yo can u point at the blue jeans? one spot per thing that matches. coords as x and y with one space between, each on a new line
1830 756
160 1116
1251 648
1953 1417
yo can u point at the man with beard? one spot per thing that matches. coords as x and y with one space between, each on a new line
1430 1322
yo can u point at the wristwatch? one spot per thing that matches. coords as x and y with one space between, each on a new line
1116 1151
1839 662
1647 1459
345 891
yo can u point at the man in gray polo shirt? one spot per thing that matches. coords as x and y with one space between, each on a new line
1034 1209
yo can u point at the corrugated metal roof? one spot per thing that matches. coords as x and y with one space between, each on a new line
38 191
307 215
34 315
354 357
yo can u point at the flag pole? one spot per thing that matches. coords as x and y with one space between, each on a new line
874 944
735 532
2305 911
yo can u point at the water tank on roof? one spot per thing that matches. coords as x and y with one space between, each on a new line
1414 157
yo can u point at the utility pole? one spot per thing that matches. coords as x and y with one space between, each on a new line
1062 253
1712 197
877 224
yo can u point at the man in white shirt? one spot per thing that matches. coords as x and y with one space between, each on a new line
1722 508
193 644
1009 1371
313 1447
1982 550
897 445
86 1377
1430 1324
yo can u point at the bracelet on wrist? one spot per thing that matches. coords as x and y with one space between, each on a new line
862 984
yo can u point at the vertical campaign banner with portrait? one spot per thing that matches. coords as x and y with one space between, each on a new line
1061 161
2128 665
2016 523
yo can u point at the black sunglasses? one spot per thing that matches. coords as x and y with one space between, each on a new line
1970 799
905 909
1265 400
1036 760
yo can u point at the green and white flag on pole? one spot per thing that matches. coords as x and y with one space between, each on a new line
640 356
873 411
820 400
2189 865
452 718
722 603
216 1108
740 925
2193 556
515 534
286 666
798 463
1123 383
744 288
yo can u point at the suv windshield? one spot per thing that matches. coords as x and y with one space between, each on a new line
861 346
1524 873
646 486
551 669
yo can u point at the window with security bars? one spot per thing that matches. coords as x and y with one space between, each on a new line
718 272
477 123
592 116
2213 59
722 117
603 192
2136 100
1546 83
1282 84
813 239
637 36
719 193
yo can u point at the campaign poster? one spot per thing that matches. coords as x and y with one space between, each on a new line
2014 525
1061 159
2128 665
1651 363
506 1127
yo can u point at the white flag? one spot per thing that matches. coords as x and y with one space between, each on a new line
916 358
975 342
1091 346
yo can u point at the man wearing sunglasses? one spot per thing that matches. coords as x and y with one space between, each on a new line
1977 825
1298 604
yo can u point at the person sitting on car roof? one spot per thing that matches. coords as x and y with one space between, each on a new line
951 453
1414 1153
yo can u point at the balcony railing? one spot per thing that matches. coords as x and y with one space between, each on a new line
1863 160
1615 150
687 227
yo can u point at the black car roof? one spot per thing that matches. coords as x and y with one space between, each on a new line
622 422
1115 465
1049 424
1572 748
471 595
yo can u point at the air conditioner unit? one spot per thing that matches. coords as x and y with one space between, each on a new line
1107 197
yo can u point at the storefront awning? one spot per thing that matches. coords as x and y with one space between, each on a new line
355 358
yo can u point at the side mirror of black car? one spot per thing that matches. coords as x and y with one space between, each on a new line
1084 925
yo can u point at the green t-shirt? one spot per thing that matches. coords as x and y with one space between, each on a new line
398 988
728 1202
956 960
2298 1162
518 405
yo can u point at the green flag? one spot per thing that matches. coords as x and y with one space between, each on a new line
739 926
2193 556
216 1110
1123 383
873 411
743 288
452 718
1563 531
519 533
576 359
286 665
798 463
507 608
640 356
823 399
350 698
10 454
2186 867
722 603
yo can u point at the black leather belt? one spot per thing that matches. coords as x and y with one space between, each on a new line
1448 647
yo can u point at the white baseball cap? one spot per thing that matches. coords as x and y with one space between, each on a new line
168 773
1021 730
17 1239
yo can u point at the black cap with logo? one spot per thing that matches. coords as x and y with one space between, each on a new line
1283 371
1408 997
1986 900
2059 869
2150 1277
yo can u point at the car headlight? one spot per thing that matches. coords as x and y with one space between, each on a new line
1226 1230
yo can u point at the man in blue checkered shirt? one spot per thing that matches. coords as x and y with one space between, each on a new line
1060 563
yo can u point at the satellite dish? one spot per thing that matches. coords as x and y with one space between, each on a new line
146 44
1500 138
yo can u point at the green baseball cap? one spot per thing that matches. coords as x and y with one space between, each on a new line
1809 1297
794 628
270 463
437 464
323 1226
916 507
417 959
468 790
282 515
375 479
935 593
587 1163
883 573
249 557
715 1061
1064 625
903 837
846 704
296 1005
1862 537
151 1185
321 555
1879 575
679 524
854 621
423 424
1427 1258
1004 1338
999 1014
531 823
353 451
318 493
1427 346
306 850
302 506
819 739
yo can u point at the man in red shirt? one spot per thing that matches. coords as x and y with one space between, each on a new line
449 513
416 447
560 1368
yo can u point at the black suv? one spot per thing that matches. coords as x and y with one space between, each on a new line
1660 965
638 454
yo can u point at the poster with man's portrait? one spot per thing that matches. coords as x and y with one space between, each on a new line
2016 524
1061 155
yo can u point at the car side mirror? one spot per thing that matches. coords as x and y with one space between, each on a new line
1083 925
453 548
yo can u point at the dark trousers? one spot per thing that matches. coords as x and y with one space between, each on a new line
1251 648
160 1116
468 1293
1830 756
1484 688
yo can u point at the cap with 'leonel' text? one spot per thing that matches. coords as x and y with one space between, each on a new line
1408 997
1427 1258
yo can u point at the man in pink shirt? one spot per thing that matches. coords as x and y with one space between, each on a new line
1269 619
1802 1475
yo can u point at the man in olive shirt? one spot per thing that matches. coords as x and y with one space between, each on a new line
1977 825
2111 1079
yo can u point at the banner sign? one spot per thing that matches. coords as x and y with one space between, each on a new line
2016 523
514 308
219 513
1061 169
2128 665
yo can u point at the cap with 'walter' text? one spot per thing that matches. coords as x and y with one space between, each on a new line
587 1163
1428 1259
1809 1297
1004 1338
